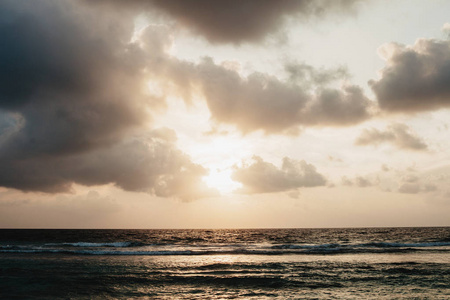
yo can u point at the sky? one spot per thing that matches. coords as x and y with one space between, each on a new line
224 114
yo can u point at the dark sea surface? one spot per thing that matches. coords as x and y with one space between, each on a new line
362 263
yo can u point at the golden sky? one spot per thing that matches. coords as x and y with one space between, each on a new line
224 114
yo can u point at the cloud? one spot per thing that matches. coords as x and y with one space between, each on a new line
334 159
146 164
397 134
263 102
263 177
446 29
412 183
74 97
416 78
358 181
74 100
73 82
362 182
237 21
259 101
346 181
333 107
409 188
430 187
406 181
73 105
307 74
410 178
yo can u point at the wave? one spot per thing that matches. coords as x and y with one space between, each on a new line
362 245
387 245
296 246
187 252
216 252
97 252
93 245
134 248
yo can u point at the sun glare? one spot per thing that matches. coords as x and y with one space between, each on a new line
221 180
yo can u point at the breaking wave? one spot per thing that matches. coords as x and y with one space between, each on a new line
92 245
134 248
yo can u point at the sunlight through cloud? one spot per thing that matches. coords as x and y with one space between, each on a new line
221 180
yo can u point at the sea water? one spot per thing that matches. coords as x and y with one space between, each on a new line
361 263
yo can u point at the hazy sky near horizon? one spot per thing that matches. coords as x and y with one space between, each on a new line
224 114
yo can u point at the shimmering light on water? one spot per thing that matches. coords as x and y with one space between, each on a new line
390 271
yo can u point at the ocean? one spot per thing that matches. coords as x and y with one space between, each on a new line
357 263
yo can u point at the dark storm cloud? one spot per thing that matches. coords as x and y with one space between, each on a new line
416 78
397 134
47 50
237 21
69 77
70 98
264 177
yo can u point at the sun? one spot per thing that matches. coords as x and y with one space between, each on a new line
220 179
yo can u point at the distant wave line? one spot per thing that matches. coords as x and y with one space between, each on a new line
125 248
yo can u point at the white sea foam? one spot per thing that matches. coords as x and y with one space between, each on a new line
116 244
137 248
92 245
415 245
